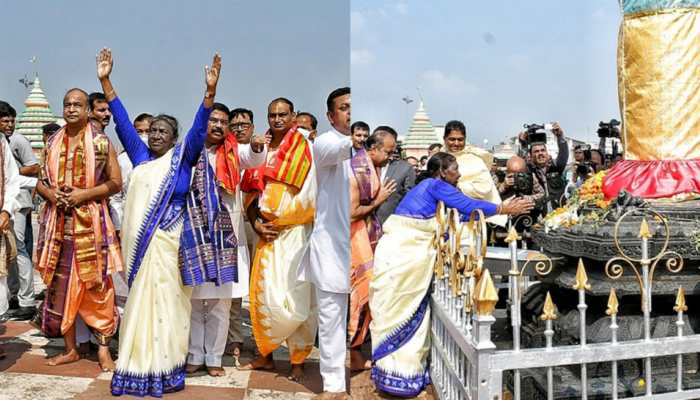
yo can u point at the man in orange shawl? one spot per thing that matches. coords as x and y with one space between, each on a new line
78 247
366 195
281 208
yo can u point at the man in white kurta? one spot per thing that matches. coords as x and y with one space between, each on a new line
11 188
327 263
211 304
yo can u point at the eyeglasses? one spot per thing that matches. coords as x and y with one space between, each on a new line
240 127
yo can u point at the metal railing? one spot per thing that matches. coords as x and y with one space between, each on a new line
465 362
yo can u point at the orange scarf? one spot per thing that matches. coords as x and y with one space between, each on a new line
88 218
290 165
227 164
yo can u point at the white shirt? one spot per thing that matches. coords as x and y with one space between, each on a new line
234 205
327 263
116 202
12 181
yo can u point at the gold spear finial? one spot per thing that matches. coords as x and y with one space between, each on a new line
581 277
680 301
549 312
613 304
512 235
644 231
485 294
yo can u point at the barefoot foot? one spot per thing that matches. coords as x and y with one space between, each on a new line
260 363
105 359
192 369
297 373
358 362
65 358
216 371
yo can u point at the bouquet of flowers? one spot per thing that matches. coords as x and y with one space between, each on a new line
589 195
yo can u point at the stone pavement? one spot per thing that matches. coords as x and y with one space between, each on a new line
24 375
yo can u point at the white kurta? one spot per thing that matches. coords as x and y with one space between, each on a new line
10 204
234 205
13 181
327 264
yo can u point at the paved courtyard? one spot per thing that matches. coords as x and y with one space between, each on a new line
24 375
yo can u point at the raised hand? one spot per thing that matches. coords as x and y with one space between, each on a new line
257 143
104 63
212 74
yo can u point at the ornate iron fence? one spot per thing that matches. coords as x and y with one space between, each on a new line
465 362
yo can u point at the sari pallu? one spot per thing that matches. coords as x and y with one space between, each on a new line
281 307
154 332
93 240
364 234
398 298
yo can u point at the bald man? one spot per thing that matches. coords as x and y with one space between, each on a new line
519 181
79 247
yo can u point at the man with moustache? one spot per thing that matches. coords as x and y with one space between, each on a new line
79 249
327 264
216 219
282 201
21 272
359 132
241 125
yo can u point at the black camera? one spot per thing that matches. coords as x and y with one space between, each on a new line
584 168
522 183
500 175
609 129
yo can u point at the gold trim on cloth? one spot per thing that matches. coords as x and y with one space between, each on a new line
659 82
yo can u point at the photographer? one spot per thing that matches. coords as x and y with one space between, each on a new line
519 181
549 174
583 167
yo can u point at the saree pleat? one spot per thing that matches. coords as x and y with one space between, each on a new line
398 298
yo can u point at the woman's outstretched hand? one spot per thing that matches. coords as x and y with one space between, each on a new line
104 63
516 206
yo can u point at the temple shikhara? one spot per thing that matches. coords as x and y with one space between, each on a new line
36 114
421 134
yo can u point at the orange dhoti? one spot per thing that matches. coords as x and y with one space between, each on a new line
68 296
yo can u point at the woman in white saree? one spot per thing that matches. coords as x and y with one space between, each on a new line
403 272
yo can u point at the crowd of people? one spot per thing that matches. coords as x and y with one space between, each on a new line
157 239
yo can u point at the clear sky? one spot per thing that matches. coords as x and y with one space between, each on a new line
299 50
493 64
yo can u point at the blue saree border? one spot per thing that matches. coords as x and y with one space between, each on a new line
398 385
402 334
151 384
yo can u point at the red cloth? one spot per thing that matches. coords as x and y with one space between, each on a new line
653 179
227 166
291 164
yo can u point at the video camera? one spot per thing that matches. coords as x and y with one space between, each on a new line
536 133
609 129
